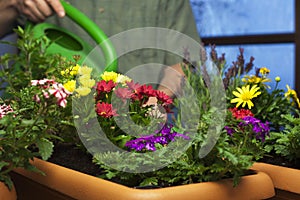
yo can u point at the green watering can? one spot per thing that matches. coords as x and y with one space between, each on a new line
68 44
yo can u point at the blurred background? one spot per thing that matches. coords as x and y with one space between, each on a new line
266 29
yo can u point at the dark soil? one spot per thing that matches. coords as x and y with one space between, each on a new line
280 161
72 157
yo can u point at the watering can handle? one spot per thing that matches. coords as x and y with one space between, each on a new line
95 32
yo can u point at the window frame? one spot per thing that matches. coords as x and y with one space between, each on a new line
276 38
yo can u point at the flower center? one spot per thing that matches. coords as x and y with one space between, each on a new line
246 96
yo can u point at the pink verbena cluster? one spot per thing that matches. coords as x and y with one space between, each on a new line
4 109
50 87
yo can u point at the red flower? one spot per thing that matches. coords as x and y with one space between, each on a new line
162 97
239 114
144 92
105 110
103 86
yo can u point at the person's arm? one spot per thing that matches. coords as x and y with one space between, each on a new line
35 10
172 80
8 16
176 15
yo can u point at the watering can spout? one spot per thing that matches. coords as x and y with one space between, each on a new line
68 44
96 33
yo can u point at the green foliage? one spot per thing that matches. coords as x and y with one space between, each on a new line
210 155
31 127
286 143
220 145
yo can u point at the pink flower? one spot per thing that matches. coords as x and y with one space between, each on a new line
4 109
132 85
36 98
123 93
46 94
42 82
60 93
50 87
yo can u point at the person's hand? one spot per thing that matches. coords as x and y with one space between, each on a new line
39 10
172 80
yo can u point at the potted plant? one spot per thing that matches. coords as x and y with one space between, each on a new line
281 109
209 143
23 135
282 160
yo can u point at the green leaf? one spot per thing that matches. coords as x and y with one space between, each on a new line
28 122
45 148
110 175
231 157
149 181
3 164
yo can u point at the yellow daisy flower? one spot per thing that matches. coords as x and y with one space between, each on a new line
70 85
292 95
264 71
107 76
255 79
244 95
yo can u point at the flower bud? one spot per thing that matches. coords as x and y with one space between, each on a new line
277 79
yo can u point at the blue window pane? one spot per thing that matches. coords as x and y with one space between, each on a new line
279 58
243 17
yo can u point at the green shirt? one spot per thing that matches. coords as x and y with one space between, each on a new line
116 16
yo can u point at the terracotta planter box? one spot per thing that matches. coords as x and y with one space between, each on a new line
63 183
6 194
286 180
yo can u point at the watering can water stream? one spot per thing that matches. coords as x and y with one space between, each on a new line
68 44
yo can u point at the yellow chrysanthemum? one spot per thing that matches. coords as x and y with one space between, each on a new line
255 79
73 70
86 81
292 95
85 70
70 85
123 79
107 76
264 71
244 95
83 91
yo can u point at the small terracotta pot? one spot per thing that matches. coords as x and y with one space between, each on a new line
283 178
65 184
6 194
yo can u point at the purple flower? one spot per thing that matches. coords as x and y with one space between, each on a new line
182 136
163 137
250 120
260 129
229 130
150 146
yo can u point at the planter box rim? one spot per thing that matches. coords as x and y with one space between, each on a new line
93 186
